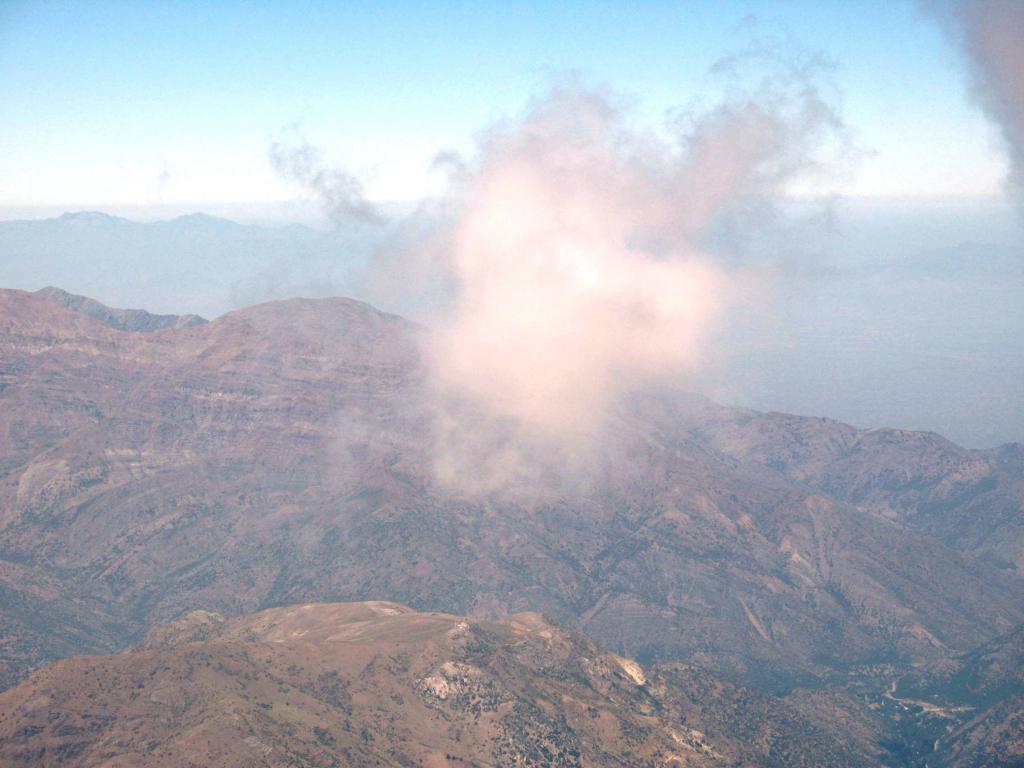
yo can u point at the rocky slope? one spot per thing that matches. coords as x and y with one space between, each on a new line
379 684
971 500
285 453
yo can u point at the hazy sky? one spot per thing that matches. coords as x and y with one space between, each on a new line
114 103
870 310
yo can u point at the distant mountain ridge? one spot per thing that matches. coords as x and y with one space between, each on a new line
204 264
91 217
121 319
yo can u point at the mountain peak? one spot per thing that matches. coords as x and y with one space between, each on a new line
119 319
89 217
199 219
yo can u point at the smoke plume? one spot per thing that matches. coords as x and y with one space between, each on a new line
568 251
576 249
339 192
991 32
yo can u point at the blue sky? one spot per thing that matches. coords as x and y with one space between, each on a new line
132 103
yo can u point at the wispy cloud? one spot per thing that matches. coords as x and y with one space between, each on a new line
339 192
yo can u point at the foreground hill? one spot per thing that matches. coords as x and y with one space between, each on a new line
379 684
286 453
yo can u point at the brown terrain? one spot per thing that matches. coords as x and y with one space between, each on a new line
282 454
380 684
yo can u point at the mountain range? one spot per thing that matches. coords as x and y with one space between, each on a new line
204 263
283 454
